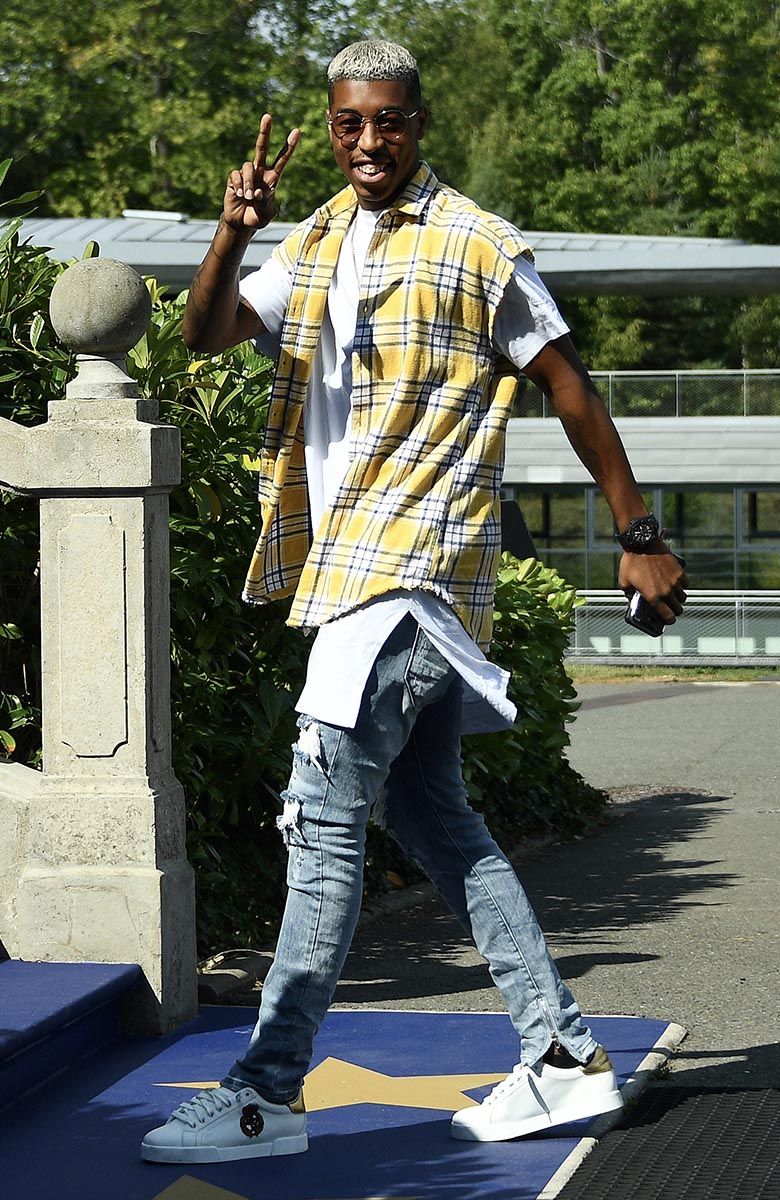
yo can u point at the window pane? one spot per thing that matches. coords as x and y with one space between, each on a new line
699 526
554 518
759 570
709 570
603 569
761 516
567 520
701 519
602 519
530 505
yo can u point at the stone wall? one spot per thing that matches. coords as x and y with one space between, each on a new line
92 848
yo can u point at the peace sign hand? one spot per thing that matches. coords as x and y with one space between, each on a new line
250 196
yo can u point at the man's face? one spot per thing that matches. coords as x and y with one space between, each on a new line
378 168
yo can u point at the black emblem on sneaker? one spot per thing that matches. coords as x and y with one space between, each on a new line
252 1122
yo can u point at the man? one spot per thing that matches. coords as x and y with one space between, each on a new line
400 315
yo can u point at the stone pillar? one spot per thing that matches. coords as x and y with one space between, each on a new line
93 862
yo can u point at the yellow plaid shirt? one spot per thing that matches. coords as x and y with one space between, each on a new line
430 402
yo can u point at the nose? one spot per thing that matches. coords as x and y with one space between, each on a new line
369 138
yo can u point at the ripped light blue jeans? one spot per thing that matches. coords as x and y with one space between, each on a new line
404 755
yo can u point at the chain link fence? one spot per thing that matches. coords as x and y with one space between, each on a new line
717 627
676 394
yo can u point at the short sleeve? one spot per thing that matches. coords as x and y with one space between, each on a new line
527 317
268 292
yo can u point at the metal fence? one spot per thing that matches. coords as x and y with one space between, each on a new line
676 394
741 628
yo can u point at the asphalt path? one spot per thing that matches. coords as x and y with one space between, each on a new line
670 910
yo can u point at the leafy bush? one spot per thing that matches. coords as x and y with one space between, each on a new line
236 671
520 778
34 368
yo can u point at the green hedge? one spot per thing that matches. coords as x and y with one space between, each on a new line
237 670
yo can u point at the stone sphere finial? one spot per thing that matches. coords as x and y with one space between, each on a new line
100 306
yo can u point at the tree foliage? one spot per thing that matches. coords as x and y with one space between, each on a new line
632 116
641 116
34 368
616 116
144 103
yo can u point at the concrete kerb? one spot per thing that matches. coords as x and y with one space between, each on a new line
632 1089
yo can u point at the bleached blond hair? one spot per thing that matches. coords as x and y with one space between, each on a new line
375 59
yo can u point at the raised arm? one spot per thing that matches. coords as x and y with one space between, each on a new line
215 316
561 375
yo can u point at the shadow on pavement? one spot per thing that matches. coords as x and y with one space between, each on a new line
628 873
625 874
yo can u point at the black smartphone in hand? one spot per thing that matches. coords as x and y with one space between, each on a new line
641 614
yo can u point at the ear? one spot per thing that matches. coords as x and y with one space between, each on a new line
422 121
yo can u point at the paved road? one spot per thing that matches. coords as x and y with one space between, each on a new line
670 910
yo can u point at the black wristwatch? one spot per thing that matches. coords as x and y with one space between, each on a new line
640 535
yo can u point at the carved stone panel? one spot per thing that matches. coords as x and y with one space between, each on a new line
93 647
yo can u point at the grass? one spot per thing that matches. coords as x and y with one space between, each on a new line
581 673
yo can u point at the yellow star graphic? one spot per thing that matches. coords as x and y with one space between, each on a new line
336 1083
188 1188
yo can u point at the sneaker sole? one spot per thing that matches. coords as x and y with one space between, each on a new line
561 1116
216 1154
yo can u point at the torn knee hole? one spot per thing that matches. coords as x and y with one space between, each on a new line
290 822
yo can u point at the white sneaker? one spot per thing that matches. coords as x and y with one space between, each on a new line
219 1125
539 1097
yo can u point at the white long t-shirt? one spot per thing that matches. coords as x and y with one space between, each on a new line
345 649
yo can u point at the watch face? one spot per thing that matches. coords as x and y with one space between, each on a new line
641 532
644 531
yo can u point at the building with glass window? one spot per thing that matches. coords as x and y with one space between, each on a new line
712 480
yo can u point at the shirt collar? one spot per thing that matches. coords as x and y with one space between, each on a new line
412 201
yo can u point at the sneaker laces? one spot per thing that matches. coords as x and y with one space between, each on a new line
205 1105
516 1076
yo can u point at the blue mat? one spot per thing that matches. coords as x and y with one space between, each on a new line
38 999
380 1094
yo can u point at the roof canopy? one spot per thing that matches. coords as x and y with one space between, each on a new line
171 249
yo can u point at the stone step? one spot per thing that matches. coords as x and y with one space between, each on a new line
53 1015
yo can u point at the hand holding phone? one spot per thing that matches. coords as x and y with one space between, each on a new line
641 614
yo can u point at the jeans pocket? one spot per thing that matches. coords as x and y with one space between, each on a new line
428 674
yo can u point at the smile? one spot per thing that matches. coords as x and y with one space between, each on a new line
371 170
